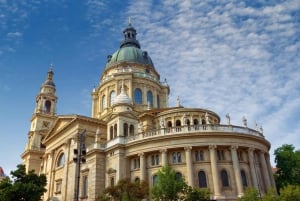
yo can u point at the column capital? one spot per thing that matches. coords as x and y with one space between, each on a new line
142 154
234 147
251 149
188 148
163 150
262 152
212 146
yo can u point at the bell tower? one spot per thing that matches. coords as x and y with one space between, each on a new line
42 118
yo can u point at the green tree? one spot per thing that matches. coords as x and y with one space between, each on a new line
250 194
271 195
290 193
25 187
168 187
288 164
196 194
125 190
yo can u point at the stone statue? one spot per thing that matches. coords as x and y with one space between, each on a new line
228 118
184 119
162 124
141 126
178 102
256 126
206 118
244 121
261 129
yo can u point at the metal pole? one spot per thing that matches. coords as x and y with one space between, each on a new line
81 139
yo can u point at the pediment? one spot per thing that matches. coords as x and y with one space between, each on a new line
129 115
64 123
60 124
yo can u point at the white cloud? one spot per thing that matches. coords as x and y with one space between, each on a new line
14 34
232 58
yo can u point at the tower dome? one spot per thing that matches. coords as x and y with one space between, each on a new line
49 80
130 50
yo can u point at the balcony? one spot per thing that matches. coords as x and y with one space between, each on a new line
183 130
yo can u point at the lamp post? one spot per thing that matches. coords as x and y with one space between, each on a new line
79 157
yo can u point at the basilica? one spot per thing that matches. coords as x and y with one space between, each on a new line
133 132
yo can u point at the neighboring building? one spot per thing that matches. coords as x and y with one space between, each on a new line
133 133
2 175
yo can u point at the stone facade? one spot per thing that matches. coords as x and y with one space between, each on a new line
133 132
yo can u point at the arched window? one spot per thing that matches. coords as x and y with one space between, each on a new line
150 98
138 96
178 123
125 129
169 124
196 122
47 106
158 102
224 178
244 178
103 103
111 132
154 179
112 181
188 122
137 180
61 160
202 179
131 130
112 98
178 176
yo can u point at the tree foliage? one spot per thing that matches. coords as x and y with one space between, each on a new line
290 193
126 190
25 187
288 164
250 194
168 187
196 194
271 195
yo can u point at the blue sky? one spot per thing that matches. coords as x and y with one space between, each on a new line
234 57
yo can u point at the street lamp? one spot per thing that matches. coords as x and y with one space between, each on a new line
79 157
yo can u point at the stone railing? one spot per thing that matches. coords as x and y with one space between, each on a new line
183 130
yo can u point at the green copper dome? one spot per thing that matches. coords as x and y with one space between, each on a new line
130 50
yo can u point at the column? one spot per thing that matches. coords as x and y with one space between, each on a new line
164 159
214 170
264 170
252 168
142 166
189 166
236 170
270 171
67 151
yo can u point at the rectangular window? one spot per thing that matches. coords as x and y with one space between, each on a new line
176 157
58 186
155 160
199 155
85 186
221 155
136 163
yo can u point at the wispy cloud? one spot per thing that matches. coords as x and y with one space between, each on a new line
234 57
14 34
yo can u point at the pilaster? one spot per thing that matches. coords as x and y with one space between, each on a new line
189 166
214 169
